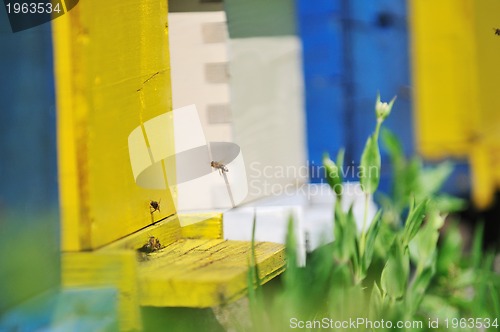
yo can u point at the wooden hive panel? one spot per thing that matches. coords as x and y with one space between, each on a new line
112 74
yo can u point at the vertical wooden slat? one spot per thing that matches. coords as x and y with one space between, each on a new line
485 152
113 74
445 76
380 63
29 240
320 30
455 74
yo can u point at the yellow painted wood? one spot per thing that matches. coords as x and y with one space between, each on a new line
202 225
112 74
166 231
455 73
486 18
482 175
204 273
445 76
485 153
103 269
184 273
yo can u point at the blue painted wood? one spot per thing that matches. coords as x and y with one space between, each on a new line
378 30
320 29
351 50
29 236
380 62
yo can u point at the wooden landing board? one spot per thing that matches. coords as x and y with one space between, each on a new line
204 273
201 271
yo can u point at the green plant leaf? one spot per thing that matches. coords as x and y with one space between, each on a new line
253 281
394 277
345 232
291 255
495 300
423 246
432 178
370 166
418 288
371 236
383 243
435 218
333 174
440 307
352 232
450 250
410 178
342 236
376 303
446 203
340 163
413 222
393 146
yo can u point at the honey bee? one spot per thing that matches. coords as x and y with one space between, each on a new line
497 31
152 245
154 206
219 166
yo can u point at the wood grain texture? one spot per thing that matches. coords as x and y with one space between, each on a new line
112 74
166 231
204 273
116 269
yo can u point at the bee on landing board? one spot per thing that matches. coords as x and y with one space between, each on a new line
219 166
497 31
154 206
152 245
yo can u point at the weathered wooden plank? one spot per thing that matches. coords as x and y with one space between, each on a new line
200 272
112 74
204 273
166 231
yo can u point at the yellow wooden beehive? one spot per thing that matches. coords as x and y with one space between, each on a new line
112 75
455 74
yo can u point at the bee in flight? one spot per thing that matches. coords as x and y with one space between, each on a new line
220 166
497 31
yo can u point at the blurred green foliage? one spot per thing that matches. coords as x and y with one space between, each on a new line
403 267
